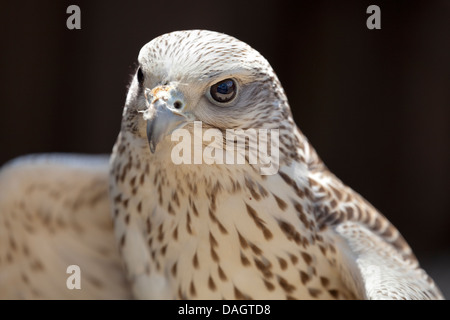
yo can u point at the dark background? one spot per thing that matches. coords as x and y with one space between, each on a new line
374 103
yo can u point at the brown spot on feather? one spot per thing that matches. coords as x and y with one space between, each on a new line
175 233
377 224
139 207
194 208
242 241
170 209
222 274
281 204
195 261
285 285
269 285
334 293
301 214
256 250
160 233
314 292
307 258
239 295
214 255
249 185
336 192
304 277
173 270
175 199
283 264
259 222
388 232
349 212
192 290
222 228
290 232
324 281
264 267
244 260
212 240
132 181
211 284
118 198
293 258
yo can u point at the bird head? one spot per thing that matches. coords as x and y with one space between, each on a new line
206 77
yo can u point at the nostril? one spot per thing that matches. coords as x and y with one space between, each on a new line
178 104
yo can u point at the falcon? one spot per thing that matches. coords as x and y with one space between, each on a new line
198 229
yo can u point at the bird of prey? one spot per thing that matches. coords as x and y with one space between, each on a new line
199 229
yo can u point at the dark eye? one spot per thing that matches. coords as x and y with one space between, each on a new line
140 75
223 91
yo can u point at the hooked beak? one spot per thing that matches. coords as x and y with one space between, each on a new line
164 114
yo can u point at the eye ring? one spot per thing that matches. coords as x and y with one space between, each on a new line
140 75
223 91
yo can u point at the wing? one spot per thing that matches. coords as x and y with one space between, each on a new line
374 260
54 213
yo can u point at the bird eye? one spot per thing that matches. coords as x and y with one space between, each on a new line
223 91
140 75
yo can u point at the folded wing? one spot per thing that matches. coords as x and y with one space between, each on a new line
374 260
55 213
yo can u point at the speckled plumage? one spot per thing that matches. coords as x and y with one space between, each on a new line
225 231
218 231
55 212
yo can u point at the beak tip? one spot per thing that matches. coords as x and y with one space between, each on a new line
150 139
163 122
152 147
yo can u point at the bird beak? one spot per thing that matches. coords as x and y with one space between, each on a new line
164 113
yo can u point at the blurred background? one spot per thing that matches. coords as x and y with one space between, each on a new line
374 103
